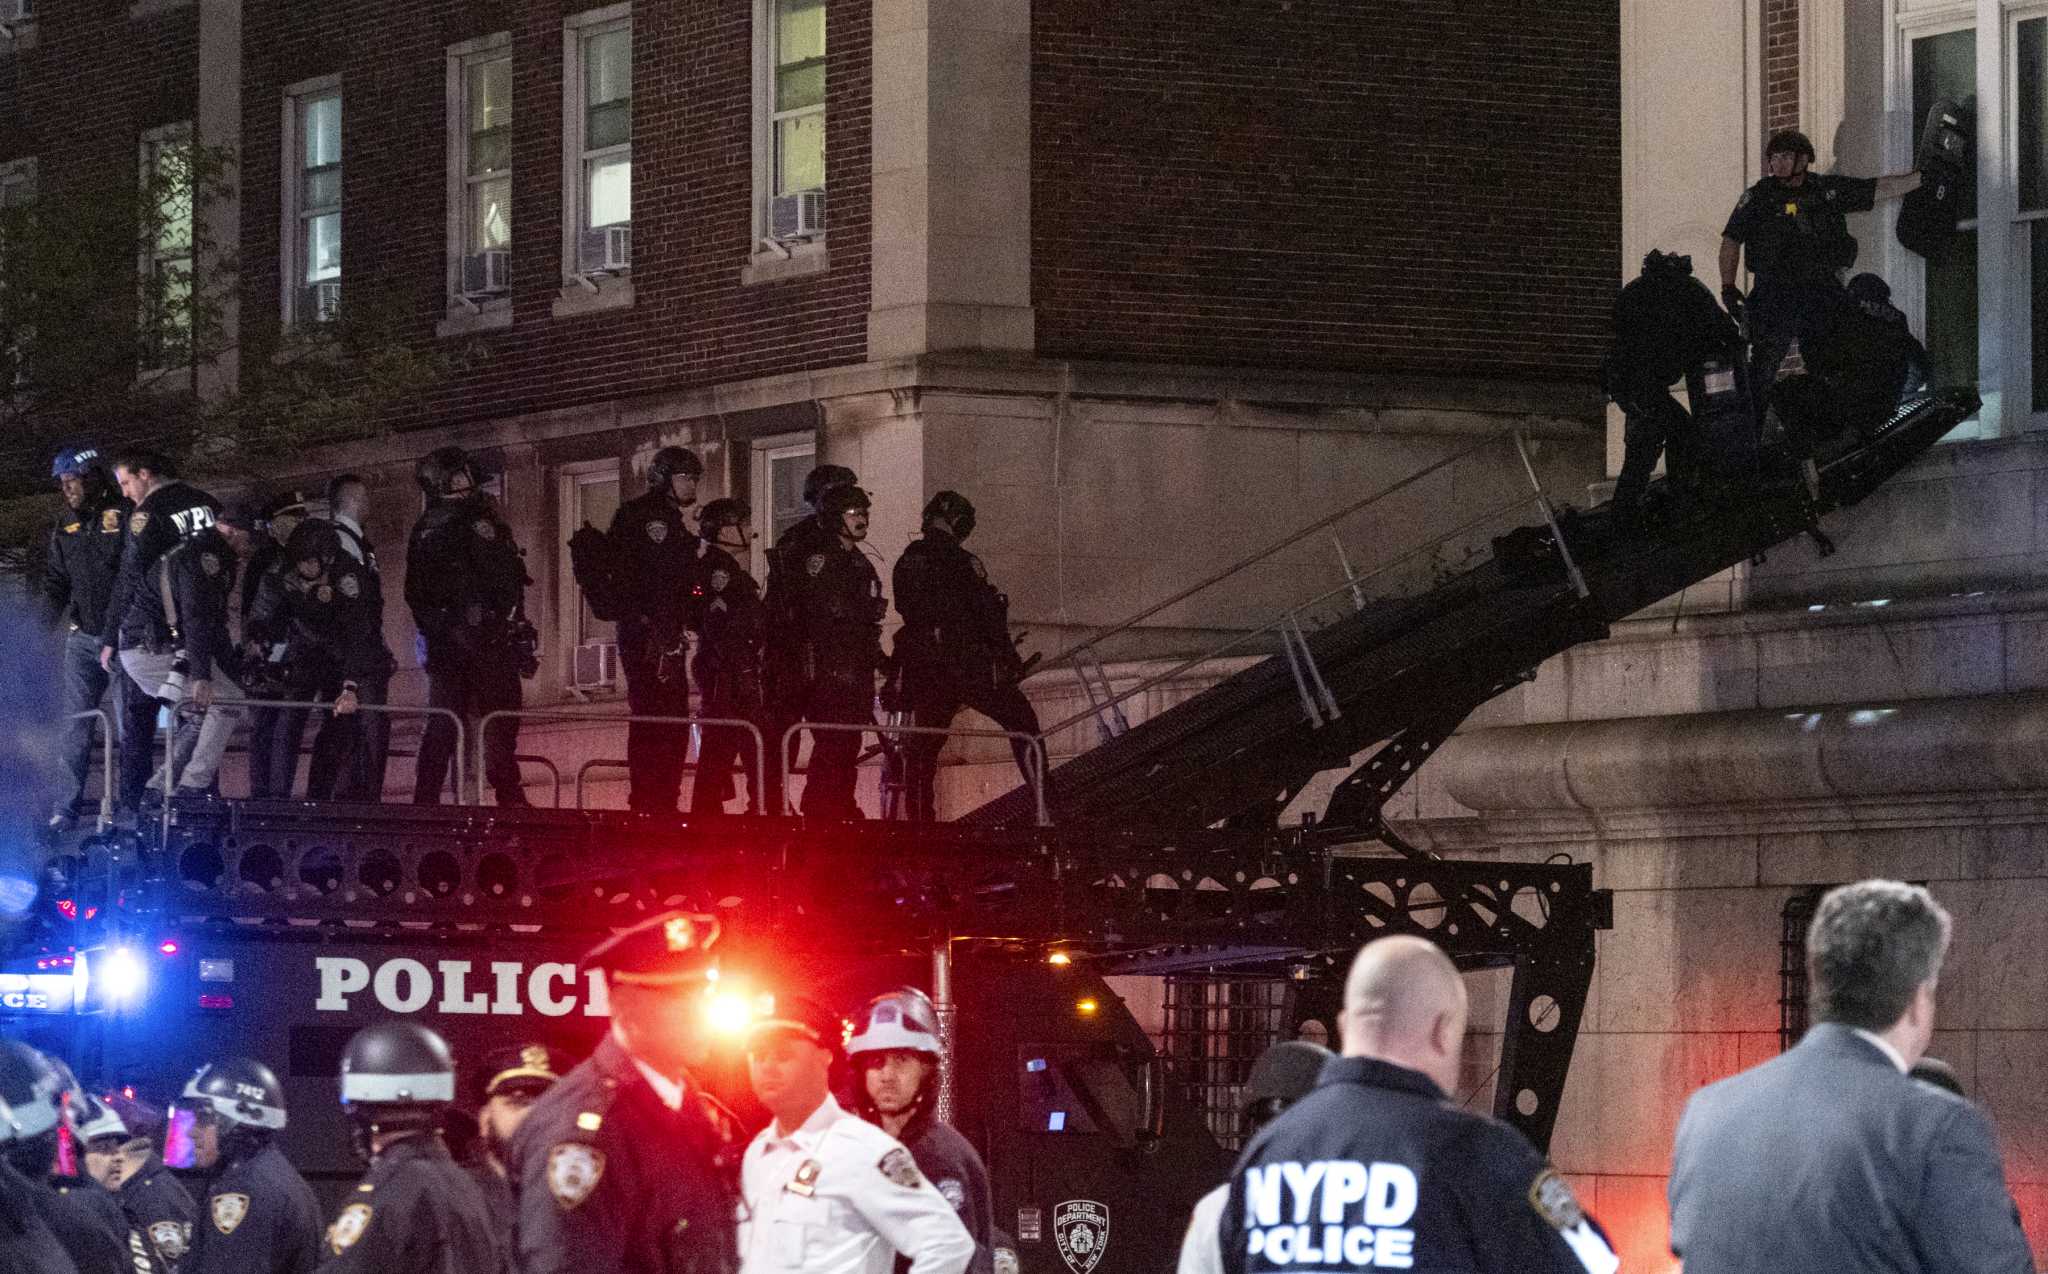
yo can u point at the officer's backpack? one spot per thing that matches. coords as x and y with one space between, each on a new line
595 564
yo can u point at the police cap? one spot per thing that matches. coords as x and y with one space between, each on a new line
291 504
521 1068
672 949
795 1015
955 508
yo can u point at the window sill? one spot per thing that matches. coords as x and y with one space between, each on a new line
490 315
770 265
614 292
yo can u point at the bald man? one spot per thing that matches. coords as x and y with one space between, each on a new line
1378 1169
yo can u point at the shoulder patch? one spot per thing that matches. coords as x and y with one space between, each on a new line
719 579
350 586
574 1169
170 1239
228 1211
956 1194
485 529
814 563
348 1227
326 593
1551 1195
657 530
1747 195
900 1168
110 520
136 521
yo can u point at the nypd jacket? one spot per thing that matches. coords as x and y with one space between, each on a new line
172 512
416 1212
1377 1169
82 562
89 1224
656 555
26 1242
464 578
200 574
160 1210
951 613
949 1162
258 1217
727 612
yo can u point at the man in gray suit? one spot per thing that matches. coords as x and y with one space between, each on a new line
1828 1157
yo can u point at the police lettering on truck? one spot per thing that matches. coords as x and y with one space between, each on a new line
505 988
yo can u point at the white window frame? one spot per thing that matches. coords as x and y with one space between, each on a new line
466 314
148 256
772 259
292 267
761 490
20 172
576 29
572 478
2022 286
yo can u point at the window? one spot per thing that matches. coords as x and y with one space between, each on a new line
18 183
166 265
789 124
590 493
312 212
1945 66
598 150
780 466
480 175
2030 81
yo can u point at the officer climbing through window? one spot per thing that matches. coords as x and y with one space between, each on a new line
955 647
416 1211
785 678
257 1215
836 644
732 630
897 1057
465 581
1860 360
655 554
1379 1169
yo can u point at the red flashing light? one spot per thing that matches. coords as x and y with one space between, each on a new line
90 912
67 908
216 1001
46 963
169 946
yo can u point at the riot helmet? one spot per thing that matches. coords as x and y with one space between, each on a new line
900 1019
436 472
840 499
1869 290
79 462
1282 1076
1789 141
313 540
31 1108
96 1120
670 461
823 478
955 508
395 1077
722 513
1657 263
241 1092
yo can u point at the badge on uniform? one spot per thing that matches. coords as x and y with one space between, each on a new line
228 1211
210 563
136 521
350 586
657 531
574 1170
1551 1195
348 1227
73 528
805 1182
325 595
170 1238
1792 209
719 579
955 1193
484 529
900 1168
110 520
814 563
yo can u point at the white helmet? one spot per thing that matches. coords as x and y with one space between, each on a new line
96 1119
900 1019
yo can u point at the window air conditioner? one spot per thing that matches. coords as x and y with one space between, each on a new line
323 301
797 216
487 273
13 11
596 665
606 249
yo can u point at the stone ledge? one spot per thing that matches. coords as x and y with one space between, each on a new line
800 261
611 292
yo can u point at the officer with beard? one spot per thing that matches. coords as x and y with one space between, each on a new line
785 678
81 1212
257 1213
514 1079
732 630
656 553
31 1096
121 1154
465 581
416 1211
897 1056
837 642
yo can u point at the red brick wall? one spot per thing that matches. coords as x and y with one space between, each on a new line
1781 64
1417 185
693 322
81 96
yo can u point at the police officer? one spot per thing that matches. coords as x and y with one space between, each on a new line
897 1056
1378 1168
362 741
785 678
837 643
513 1080
187 652
1666 325
334 621
415 1211
954 648
465 581
1792 225
122 1156
80 1212
825 1192
621 1168
256 1212
30 1112
273 763
81 563
732 631
654 548
1859 360
1283 1075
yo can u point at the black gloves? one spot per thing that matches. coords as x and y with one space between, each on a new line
1731 297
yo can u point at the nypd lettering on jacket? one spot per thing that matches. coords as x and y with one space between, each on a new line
504 988
1332 1212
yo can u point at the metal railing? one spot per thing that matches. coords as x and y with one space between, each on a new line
1034 745
613 718
106 721
554 772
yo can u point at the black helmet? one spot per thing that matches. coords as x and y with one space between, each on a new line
825 476
723 512
670 461
437 469
1869 289
955 508
241 1091
395 1077
1282 1076
1789 140
1656 262
837 500
314 539
79 462
31 1094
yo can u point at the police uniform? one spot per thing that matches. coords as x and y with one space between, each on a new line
533 1068
89 1224
258 1216
189 586
26 1240
950 1163
465 581
1859 360
954 650
656 552
1377 1169
1666 324
273 762
840 608
174 512
611 1177
160 1213
81 560
416 1212
732 627
786 676
1797 242
335 625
